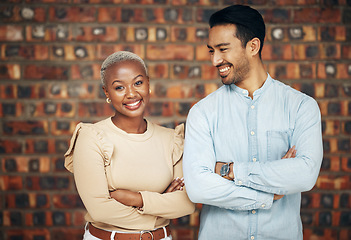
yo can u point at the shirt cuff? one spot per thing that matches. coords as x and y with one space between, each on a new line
240 174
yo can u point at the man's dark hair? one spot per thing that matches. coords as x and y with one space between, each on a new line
248 21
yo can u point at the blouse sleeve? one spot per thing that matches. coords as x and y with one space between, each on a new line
175 204
87 156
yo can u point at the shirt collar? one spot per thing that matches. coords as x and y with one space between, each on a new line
258 92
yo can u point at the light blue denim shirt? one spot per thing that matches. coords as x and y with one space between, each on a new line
229 126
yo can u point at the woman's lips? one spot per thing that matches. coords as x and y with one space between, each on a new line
133 106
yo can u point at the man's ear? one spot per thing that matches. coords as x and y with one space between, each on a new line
253 46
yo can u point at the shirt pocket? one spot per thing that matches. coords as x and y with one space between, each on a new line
278 143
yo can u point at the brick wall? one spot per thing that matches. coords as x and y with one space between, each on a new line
49 81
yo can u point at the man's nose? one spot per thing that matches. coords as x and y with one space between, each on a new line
216 59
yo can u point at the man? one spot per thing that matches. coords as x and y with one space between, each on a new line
250 123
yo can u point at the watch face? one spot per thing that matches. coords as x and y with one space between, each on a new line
224 170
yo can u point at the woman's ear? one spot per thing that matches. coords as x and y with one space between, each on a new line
254 46
105 91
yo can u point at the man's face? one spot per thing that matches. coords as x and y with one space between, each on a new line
227 54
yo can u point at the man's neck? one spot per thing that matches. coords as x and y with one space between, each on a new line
255 79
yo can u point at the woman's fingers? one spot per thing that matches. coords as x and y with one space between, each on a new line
176 184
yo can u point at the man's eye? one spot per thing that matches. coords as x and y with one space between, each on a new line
119 88
210 51
223 49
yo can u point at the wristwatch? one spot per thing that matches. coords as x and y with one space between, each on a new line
225 170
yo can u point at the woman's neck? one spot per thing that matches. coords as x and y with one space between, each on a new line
130 125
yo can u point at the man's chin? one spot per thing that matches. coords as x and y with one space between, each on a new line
227 81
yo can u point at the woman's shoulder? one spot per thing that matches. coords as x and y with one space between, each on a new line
168 132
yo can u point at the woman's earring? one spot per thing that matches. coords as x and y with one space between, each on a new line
150 90
108 100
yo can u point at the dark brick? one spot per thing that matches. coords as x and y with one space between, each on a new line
305 200
348 127
38 237
331 90
346 16
308 89
127 15
16 218
66 107
345 219
22 200
41 200
39 218
184 108
33 165
334 108
24 91
325 163
344 145
61 146
9 109
312 51
345 200
11 165
307 218
325 219
171 14
59 164
326 145
58 218
47 183
327 200
41 146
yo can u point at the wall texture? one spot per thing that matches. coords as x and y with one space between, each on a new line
51 51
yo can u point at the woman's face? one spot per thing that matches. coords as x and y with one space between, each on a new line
127 85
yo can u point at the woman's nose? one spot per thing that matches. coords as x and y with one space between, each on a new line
131 92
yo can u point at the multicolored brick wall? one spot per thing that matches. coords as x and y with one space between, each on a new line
51 51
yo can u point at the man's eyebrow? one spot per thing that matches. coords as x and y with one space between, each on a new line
219 45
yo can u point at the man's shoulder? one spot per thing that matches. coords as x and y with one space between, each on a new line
287 91
212 98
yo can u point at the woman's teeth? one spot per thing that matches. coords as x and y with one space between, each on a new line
133 104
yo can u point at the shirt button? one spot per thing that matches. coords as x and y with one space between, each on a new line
252 133
240 182
253 211
263 205
252 237
254 159
244 91
252 106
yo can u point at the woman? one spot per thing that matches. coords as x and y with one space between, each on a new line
128 171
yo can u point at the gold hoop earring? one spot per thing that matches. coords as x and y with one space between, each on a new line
108 100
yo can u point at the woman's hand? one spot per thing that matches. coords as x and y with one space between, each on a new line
128 198
176 184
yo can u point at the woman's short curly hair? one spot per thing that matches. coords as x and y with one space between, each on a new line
117 57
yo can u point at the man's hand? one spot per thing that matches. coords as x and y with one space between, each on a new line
176 184
230 174
128 198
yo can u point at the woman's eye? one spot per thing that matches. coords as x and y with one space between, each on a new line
119 88
138 83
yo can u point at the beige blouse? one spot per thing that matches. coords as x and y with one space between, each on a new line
104 158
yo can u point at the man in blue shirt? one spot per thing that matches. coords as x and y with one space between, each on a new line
240 159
